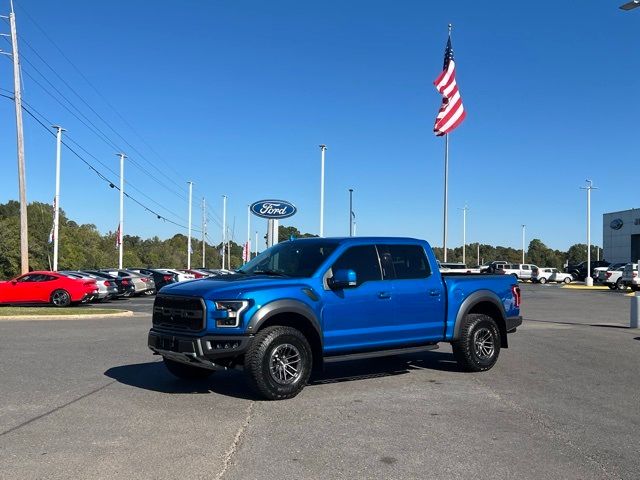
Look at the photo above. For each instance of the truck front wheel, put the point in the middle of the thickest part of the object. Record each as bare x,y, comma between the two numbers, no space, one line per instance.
478,347
279,362
186,372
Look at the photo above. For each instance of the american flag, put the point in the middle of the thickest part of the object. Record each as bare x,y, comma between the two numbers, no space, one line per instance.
451,113
118,237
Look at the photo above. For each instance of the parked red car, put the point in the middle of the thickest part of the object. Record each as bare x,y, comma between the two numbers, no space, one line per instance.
47,287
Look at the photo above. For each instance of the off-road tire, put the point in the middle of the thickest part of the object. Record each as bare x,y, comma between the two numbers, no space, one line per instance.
469,356
60,298
620,286
260,362
186,372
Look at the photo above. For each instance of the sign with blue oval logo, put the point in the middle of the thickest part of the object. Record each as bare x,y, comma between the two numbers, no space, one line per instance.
273,209
616,224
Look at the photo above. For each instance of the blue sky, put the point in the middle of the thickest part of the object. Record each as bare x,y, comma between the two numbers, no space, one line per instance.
236,96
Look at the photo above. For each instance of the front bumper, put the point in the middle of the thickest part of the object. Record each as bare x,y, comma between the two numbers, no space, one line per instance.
512,323
206,352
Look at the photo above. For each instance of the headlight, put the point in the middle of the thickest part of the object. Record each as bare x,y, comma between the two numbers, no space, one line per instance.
228,312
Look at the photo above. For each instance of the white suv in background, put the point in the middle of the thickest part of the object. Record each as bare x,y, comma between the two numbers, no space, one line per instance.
613,279
544,275
522,271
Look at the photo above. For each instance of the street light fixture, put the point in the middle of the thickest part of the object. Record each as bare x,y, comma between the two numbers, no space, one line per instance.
630,5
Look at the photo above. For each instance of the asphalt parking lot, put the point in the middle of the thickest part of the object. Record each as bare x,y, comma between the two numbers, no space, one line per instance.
86,399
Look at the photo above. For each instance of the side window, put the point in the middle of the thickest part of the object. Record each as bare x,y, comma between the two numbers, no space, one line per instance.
26,278
407,261
526,267
363,260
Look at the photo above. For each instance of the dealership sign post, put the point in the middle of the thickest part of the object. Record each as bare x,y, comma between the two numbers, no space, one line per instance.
273,211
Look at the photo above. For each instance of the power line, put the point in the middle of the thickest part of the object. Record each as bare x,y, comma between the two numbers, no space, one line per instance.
100,174
108,168
104,99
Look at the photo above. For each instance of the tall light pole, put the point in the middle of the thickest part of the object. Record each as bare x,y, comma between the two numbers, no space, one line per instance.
121,227
588,280
323,149
351,212
189,234
56,198
464,233
204,231
248,249
224,226
523,232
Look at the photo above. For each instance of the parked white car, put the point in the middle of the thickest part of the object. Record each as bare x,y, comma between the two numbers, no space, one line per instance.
457,268
547,274
613,279
630,276
600,273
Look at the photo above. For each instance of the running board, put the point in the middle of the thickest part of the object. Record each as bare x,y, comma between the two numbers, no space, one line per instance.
380,353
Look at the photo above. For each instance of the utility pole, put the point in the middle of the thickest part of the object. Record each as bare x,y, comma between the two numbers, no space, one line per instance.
248,249
464,234
588,280
255,247
351,212
523,230
121,229
224,226
56,199
22,180
189,235
323,149
204,231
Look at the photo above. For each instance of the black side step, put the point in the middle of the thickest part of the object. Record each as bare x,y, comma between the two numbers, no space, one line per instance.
380,353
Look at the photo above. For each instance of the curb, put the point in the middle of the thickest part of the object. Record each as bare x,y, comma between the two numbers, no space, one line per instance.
584,287
89,316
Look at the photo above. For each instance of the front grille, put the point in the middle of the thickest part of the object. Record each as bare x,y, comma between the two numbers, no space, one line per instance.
181,313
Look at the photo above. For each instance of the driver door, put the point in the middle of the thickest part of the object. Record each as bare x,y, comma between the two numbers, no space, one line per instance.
360,316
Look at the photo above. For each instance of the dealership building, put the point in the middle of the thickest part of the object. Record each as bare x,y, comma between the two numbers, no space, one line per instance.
621,236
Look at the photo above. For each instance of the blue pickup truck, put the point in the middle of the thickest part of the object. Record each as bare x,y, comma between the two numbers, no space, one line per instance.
303,303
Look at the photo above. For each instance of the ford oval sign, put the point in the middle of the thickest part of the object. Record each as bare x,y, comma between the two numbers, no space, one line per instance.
616,224
273,209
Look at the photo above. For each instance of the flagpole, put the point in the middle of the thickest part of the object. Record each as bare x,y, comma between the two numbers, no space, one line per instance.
121,226
446,196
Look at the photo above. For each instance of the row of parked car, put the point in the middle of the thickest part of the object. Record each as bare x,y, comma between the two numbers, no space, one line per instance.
71,287
617,276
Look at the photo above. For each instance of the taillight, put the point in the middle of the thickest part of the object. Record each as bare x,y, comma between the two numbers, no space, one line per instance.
125,281
167,278
515,291
144,279
107,283
608,274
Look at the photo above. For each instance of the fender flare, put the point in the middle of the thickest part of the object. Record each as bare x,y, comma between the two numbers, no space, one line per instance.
283,306
481,296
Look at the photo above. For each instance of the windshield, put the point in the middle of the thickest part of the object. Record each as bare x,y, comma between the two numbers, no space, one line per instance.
292,259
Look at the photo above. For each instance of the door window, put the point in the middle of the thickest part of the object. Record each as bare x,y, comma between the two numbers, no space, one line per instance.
363,260
404,262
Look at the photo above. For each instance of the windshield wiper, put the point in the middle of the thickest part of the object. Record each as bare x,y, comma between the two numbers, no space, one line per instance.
270,272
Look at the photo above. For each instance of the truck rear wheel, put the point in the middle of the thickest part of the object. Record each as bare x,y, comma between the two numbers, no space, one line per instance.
186,372
478,347
279,362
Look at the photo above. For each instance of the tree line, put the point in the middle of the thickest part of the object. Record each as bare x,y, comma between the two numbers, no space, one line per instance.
83,246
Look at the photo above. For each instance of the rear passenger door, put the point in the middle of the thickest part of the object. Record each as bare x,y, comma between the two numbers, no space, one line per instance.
418,294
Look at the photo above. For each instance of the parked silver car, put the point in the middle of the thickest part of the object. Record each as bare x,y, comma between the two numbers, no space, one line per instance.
106,288
143,284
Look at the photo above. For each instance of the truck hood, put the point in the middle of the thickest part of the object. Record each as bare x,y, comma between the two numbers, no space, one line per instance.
229,286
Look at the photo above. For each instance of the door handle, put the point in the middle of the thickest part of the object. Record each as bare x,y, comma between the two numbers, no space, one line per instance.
384,295
434,293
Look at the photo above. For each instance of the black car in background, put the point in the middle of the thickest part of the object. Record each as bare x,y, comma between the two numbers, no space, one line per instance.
579,271
160,278
126,288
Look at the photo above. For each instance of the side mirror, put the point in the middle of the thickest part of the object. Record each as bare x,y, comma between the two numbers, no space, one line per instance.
343,279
